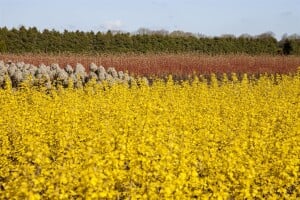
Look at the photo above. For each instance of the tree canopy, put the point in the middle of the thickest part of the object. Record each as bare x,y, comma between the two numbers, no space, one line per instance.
31,40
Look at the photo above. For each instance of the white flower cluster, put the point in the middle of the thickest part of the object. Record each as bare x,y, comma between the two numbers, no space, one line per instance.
54,74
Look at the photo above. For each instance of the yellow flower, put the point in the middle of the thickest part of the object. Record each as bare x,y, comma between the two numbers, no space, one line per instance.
199,140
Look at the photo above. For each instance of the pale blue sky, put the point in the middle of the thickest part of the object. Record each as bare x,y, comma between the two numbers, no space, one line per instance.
208,17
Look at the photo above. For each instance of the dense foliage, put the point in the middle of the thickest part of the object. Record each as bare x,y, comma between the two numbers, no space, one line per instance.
225,140
24,40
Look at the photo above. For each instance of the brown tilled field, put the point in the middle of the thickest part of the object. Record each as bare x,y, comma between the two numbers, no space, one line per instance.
176,64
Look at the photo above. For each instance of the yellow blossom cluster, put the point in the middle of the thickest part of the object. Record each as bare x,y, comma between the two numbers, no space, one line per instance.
200,139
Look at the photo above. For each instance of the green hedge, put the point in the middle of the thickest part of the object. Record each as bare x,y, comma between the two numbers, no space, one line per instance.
25,40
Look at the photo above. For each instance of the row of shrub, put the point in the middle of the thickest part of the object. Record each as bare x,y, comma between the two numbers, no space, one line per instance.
17,73
20,74
24,40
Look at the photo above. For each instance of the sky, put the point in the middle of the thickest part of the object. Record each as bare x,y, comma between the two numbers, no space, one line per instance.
208,17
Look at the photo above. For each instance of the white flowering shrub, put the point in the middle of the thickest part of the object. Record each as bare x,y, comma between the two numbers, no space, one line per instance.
55,75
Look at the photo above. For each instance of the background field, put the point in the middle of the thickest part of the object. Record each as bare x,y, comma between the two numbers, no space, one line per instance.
175,64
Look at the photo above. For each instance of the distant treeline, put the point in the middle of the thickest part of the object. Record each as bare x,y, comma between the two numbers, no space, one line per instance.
31,40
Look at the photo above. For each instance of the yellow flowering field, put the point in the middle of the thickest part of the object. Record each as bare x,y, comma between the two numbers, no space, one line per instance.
188,140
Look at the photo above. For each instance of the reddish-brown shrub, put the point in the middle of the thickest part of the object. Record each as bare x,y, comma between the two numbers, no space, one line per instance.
176,64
